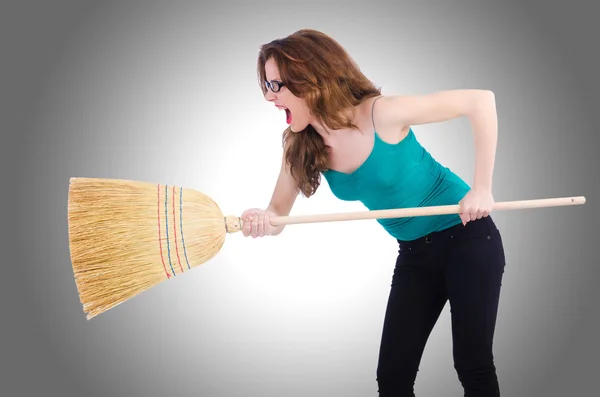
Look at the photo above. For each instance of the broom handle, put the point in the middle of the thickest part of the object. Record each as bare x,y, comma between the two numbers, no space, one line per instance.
423,211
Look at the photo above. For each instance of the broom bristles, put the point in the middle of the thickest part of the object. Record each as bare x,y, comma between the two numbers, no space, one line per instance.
127,236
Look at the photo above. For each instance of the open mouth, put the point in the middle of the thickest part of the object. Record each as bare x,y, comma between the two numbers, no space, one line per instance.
288,113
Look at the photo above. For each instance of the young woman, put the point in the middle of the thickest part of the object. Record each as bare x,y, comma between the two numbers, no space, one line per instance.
342,128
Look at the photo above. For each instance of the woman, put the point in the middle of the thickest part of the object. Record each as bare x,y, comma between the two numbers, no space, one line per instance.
342,128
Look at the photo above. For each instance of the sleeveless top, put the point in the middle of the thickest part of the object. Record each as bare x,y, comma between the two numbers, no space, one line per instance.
401,175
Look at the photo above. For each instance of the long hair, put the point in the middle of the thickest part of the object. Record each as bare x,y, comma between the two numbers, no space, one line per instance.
316,68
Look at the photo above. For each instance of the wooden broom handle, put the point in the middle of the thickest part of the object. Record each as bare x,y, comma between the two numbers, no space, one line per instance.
423,211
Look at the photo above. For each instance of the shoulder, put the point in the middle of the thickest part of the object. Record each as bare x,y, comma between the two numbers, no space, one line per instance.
387,118
389,108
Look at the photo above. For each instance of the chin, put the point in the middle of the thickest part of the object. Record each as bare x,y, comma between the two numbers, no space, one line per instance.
298,128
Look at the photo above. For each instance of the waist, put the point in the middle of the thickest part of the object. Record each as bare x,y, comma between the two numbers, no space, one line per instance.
480,228
409,229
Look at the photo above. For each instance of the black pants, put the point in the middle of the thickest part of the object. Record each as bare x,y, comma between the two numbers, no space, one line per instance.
464,265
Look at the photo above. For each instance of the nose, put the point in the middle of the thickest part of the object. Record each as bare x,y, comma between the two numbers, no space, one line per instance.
270,95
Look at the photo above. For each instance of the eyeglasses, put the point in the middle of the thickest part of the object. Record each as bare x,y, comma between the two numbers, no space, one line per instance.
274,85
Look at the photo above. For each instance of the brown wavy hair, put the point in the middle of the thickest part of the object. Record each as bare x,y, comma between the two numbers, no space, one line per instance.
316,68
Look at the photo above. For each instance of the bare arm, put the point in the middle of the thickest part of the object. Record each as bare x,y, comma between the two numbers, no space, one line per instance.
284,195
257,221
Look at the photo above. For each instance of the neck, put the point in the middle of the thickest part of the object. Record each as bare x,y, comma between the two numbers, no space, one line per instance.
321,129
327,133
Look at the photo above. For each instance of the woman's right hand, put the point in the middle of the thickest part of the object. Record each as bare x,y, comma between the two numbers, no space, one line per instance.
257,224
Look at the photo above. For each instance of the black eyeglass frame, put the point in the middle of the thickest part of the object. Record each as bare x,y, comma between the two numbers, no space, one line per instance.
274,85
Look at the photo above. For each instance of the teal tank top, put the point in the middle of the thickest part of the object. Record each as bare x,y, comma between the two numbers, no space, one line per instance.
401,175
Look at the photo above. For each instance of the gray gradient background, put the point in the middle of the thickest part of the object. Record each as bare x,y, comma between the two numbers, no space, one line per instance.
151,92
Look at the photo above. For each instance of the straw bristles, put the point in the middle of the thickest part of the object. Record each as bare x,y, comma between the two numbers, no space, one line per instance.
127,236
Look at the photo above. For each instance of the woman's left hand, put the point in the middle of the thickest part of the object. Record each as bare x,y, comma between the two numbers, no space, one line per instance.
476,204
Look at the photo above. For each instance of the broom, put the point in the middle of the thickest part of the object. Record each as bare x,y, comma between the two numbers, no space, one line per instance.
127,236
